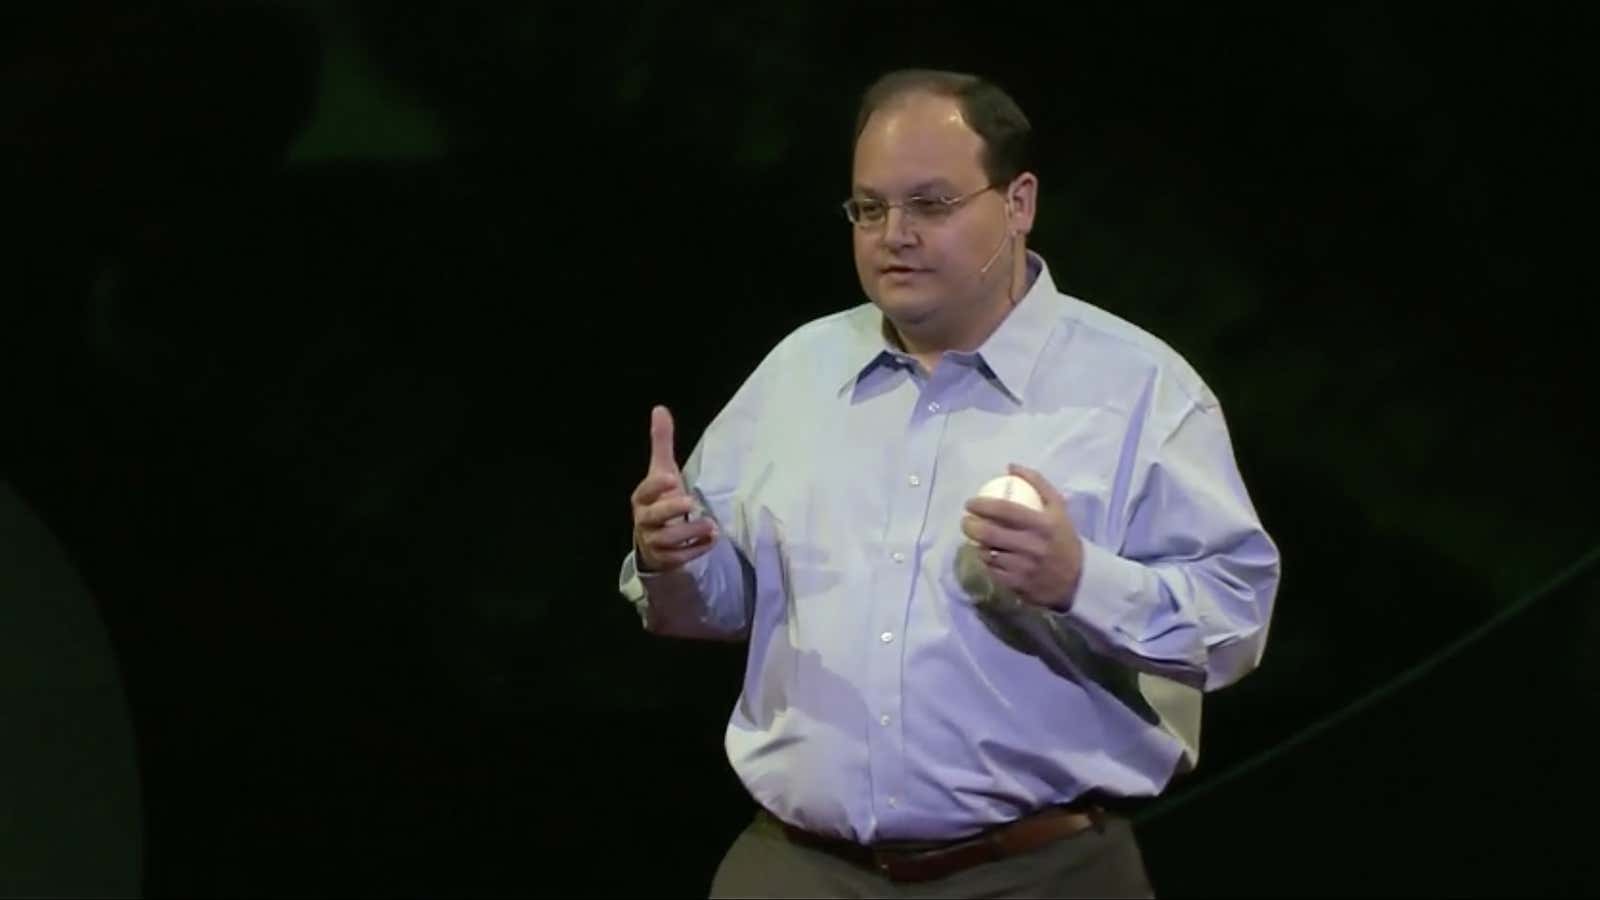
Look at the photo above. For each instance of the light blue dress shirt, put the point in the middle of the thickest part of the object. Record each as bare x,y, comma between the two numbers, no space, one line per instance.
891,690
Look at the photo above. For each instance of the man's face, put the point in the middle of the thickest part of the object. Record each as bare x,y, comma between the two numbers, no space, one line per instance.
926,272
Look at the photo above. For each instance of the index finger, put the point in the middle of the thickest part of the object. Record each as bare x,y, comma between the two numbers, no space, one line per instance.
1006,512
1047,491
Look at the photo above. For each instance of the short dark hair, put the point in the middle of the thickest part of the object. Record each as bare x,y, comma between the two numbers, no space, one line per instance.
988,110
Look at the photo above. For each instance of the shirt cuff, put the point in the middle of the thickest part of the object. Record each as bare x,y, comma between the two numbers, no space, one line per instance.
634,583
1109,590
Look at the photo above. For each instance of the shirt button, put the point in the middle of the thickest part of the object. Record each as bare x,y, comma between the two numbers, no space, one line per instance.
883,719
886,637
913,481
897,556
893,802
933,406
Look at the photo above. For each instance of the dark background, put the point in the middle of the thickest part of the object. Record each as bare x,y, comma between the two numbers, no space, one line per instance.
330,333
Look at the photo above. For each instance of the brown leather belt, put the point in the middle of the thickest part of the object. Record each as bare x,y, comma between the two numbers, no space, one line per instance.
925,861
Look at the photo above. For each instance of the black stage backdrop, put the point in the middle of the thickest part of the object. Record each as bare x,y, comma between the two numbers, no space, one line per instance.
330,333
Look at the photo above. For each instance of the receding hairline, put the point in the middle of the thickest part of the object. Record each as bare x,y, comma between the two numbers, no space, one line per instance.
900,100
982,107
898,89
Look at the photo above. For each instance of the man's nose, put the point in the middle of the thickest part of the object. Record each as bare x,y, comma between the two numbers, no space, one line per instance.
897,230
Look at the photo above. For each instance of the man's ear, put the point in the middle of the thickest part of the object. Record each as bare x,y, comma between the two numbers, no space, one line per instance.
1022,197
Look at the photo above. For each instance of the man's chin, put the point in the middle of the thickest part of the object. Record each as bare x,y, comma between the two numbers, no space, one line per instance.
907,308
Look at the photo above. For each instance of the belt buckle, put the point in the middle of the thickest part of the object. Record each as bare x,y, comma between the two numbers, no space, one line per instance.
883,861
898,865
934,862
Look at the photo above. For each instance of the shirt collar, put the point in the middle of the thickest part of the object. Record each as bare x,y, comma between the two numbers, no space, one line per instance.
1010,353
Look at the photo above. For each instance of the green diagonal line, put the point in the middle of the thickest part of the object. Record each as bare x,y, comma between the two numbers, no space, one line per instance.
1405,678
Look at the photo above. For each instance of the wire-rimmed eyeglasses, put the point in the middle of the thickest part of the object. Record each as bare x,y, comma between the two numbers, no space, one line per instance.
873,212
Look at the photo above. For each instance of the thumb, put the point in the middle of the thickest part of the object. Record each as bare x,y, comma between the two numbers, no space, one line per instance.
661,456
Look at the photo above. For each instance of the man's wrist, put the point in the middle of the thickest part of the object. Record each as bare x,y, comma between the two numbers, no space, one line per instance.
642,563
1064,602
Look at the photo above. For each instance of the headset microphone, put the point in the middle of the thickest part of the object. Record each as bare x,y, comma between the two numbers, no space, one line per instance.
996,254
1010,233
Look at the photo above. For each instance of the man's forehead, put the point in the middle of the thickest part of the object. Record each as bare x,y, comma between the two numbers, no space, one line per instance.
923,186
921,112
920,107
909,124
917,142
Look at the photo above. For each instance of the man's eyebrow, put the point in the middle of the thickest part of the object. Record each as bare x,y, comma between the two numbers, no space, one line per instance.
920,188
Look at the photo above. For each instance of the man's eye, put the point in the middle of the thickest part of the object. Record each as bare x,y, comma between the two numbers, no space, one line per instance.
870,209
927,207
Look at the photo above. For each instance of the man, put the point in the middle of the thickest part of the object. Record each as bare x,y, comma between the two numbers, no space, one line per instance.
944,692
